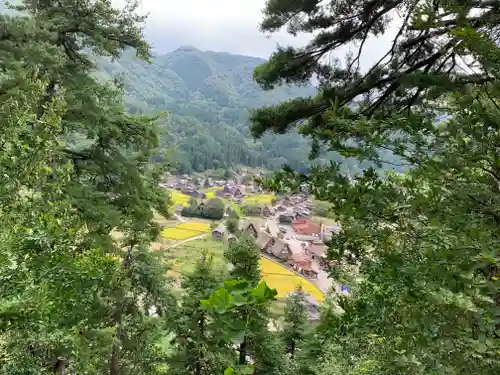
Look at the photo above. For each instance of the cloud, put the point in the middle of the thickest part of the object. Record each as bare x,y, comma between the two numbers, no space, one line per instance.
226,26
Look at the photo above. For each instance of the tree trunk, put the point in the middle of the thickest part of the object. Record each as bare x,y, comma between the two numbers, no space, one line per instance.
114,365
60,366
243,351
201,325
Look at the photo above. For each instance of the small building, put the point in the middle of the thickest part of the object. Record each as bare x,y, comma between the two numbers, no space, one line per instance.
280,208
218,233
317,249
281,250
306,227
239,191
264,242
286,218
267,211
251,229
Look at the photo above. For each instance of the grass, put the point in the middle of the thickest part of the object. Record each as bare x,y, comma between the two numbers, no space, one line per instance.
285,281
183,257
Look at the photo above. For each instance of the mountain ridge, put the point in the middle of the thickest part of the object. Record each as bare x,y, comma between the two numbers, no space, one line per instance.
208,96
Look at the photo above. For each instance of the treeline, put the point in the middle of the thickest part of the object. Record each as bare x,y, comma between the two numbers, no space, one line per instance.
212,209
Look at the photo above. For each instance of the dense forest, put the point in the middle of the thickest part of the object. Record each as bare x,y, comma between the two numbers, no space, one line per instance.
83,292
207,96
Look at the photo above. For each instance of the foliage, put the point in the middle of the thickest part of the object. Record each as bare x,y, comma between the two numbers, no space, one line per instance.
236,309
251,209
213,209
422,65
208,123
72,299
232,225
244,257
295,321
197,349
418,250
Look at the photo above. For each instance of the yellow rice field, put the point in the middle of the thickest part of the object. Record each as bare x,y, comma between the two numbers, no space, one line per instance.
199,227
176,233
259,198
285,281
179,198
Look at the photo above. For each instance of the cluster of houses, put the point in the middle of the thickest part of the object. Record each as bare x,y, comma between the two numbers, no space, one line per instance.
289,235
229,189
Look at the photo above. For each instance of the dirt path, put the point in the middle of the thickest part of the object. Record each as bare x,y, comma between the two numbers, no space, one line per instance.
190,239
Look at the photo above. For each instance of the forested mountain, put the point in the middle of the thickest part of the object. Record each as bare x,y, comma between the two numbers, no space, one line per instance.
208,96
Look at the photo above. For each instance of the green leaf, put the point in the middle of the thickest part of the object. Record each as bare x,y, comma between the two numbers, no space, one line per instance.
239,299
237,286
263,293
220,300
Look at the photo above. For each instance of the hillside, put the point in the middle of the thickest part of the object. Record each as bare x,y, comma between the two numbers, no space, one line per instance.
208,95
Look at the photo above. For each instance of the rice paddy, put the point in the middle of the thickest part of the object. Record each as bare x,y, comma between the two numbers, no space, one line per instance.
183,231
179,198
285,281
259,198
199,227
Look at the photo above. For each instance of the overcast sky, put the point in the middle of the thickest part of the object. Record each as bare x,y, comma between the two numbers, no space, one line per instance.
223,26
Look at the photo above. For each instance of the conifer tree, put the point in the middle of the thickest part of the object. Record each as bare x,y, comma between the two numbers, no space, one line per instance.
295,321
418,248
417,67
258,343
77,299
198,349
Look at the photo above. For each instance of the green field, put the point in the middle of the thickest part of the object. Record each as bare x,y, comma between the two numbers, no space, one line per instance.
183,257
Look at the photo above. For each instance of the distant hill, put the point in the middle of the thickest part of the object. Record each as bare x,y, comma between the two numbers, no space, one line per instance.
208,95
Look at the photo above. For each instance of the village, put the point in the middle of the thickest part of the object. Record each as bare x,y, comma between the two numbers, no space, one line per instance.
281,226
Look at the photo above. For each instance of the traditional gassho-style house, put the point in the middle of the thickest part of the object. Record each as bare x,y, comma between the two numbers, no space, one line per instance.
267,211
300,260
317,249
280,208
239,191
265,241
249,227
281,250
218,233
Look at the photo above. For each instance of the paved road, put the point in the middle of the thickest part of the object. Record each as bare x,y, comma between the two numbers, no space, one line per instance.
322,282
